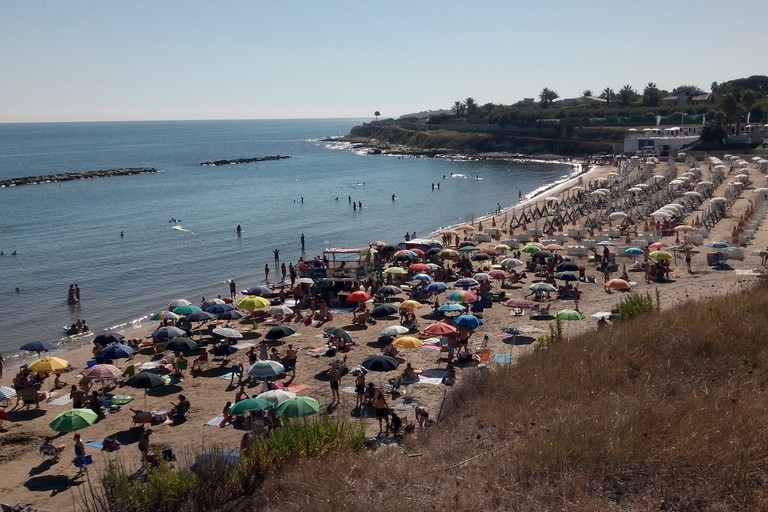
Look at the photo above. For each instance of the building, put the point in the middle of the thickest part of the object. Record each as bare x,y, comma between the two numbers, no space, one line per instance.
688,96
659,141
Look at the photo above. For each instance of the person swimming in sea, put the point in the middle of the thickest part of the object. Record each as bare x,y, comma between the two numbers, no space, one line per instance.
394,197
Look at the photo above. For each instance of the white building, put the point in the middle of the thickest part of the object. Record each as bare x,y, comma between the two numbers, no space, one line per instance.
660,141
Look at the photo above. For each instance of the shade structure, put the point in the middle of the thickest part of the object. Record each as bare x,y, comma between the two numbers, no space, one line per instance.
394,330
217,309
633,251
102,372
73,419
566,276
200,316
261,291
410,304
407,342
468,321
228,332
337,332
660,255
389,290
177,302
511,263
39,346
165,315
167,333
276,396
115,351
461,296
617,284
250,404
108,338
440,329
253,302
519,303
279,332
265,369
186,310
380,363
232,314
451,308
566,266
569,314
48,365
358,296
542,287
396,271
465,282
298,407
384,310
436,287
145,380
180,344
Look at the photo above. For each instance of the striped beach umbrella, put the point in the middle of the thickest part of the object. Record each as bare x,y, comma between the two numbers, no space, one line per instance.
265,369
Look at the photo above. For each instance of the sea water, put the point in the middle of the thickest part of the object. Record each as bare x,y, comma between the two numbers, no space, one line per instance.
70,232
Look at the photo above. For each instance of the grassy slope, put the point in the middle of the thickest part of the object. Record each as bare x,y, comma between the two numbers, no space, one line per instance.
658,413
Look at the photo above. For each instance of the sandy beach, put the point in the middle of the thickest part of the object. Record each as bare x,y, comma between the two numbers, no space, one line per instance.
32,478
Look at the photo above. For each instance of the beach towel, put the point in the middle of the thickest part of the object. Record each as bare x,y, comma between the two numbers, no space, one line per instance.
216,422
243,345
226,376
95,444
60,401
349,389
434,372
503,358
295,388
121,399
317,352
341,310
430,380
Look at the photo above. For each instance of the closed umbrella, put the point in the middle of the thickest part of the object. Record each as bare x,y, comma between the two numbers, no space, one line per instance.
298,407
73,419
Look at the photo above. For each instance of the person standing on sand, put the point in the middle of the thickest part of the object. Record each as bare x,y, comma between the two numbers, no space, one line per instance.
266,273
144,446
334,378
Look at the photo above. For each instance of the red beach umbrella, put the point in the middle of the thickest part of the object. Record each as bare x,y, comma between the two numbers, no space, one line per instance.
358,296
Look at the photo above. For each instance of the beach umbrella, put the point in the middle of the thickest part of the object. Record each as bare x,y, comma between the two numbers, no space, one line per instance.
425,278
489,252
446,254
167,333
618,216
338,332
691,193
569,314
451,308
468,321
298,407
280,310
541,255
683,228
407,342
250,404
433,266
73,419
419,267
108,338
450,232
405,254
498,274
377,243
502,247
253,302
217,309
232,314
261,291
7,393
145,380
410,304
380,363
279,332
394,330
228,332
617,284
566,276
265,369
38,346
211,302
658,245
389,290
660,255
554,247
102,372
276,396
200,316
633,251
418,252
164,315
177,302
396,271
542,287
440,329
115,351
48,365
436,287
480,257
468,248
481,277
465,282
601,314
605,243
511,263
358,296
519,303
718,245
185,310
567,266
180,344
531,249
461,296
384,310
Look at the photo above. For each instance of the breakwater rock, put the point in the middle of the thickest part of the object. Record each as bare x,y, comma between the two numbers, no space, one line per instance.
235,161
69,176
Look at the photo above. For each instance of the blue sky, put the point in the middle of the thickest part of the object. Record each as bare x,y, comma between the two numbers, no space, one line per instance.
191,59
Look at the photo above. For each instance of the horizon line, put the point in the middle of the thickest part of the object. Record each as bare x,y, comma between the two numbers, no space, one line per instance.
182,120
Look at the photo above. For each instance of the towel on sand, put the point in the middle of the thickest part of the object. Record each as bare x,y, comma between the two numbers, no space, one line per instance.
62,400
95,444
503,358
216,422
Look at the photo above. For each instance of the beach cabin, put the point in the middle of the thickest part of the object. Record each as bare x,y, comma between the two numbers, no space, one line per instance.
352,263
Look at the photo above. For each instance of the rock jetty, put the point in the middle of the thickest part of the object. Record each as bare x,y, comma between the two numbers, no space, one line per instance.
235,161
69,176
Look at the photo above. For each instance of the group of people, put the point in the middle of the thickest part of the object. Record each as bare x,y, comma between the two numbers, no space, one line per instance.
78,327
73,295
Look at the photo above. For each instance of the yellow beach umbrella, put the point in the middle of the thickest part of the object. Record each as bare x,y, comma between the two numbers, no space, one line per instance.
49,365
396,271
407,342
253,302
410,304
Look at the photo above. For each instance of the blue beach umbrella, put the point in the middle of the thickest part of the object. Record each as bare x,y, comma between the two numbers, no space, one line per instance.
468,321
115,351
38,346
422,277
451,308
633,251
436,287
108,338
200,316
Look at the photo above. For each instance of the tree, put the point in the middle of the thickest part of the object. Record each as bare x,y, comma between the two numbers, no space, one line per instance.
627,95
728,105
651,95
713,87
458,108
472,107
547,96
377,114
748,100
607,94
587,93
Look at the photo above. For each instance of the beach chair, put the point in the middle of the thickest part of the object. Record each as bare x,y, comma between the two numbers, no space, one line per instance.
52,452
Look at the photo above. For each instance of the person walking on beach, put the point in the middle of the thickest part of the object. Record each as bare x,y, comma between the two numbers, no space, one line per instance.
266,273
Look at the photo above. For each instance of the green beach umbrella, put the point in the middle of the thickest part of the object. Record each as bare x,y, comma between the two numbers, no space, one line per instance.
180,344
397,271
73,419
278,332
569,314
250,404
298,407
186,310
